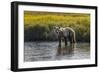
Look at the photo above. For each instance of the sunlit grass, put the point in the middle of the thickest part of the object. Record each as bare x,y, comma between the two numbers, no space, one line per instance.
80,22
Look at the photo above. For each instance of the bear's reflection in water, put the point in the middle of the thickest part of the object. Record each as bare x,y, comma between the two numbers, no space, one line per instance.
66,50
49,51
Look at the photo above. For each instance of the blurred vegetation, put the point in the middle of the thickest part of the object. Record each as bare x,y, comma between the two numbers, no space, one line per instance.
38,25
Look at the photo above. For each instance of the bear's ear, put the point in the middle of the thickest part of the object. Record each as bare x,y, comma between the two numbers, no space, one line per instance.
55,27
59,27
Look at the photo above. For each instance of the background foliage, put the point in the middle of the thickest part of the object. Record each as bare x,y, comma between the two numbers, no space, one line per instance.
38,25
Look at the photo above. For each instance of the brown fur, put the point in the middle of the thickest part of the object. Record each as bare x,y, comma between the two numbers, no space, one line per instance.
68,34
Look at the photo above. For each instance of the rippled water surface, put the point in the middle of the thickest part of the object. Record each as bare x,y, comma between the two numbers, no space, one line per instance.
47,51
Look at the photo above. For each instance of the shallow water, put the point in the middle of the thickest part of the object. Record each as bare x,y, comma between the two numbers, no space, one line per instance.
47,51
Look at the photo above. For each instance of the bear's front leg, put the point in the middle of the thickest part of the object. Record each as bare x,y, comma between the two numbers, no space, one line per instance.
59,41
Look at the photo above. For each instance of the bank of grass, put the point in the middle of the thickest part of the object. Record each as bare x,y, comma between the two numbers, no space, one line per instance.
38,25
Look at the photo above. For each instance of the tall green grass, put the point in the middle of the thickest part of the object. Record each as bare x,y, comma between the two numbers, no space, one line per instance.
38,25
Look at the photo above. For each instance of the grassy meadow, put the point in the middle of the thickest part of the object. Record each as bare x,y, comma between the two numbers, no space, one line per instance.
38,25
